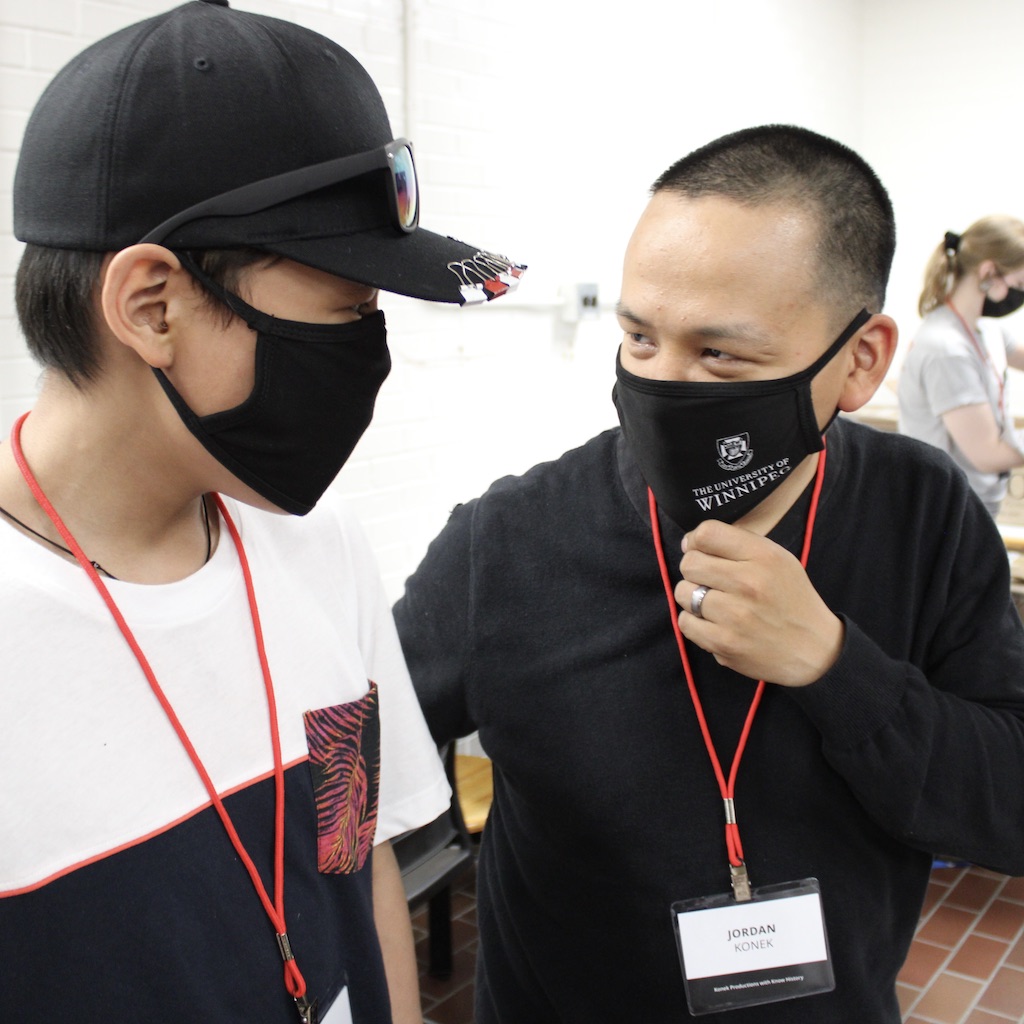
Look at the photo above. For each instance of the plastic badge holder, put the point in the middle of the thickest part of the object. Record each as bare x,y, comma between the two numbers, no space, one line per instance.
765,950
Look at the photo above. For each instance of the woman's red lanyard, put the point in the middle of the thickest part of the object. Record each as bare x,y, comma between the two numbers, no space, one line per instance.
737,865
293,979
983,353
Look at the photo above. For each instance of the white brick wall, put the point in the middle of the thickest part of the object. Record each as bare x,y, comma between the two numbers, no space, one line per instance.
460,407
539,126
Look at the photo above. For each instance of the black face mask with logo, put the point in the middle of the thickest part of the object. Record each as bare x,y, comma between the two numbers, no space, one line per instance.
716,450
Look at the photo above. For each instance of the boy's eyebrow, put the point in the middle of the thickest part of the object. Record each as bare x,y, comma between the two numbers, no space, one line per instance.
744,333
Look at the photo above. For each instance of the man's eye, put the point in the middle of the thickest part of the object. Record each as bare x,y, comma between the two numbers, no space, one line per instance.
638,339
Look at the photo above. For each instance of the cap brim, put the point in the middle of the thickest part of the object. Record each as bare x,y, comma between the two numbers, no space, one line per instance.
420,264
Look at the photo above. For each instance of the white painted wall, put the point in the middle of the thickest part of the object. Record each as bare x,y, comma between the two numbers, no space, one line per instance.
539,126
941,84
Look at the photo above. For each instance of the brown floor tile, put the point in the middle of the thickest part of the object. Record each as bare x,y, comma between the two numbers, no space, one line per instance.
906,996
1005,993
463,967
946,876
987,873
922,962
978,957
946,926
462,903
1013,890
984,1017
1002,920
973,891
947,999
932,896
450,1000
456,1009
1016,957
463,933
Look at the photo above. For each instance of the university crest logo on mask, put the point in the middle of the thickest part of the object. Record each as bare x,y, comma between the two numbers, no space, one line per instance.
734,451
697,466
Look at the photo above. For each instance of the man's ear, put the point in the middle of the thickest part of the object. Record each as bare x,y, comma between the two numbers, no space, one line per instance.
873,350
142,300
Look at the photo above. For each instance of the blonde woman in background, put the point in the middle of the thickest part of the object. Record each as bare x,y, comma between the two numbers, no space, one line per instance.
952,388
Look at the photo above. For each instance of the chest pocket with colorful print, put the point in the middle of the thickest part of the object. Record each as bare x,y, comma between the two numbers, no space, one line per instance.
344,759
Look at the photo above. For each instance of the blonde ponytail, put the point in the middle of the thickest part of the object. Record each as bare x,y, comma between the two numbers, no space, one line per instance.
997,238
940,274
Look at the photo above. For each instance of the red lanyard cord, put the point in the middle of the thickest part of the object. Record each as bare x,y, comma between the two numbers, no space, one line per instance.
294,981
727,789
983,352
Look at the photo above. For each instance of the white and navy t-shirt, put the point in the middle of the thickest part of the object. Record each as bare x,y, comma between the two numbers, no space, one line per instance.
120,892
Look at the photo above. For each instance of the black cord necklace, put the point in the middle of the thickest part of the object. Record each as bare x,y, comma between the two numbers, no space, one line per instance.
96,565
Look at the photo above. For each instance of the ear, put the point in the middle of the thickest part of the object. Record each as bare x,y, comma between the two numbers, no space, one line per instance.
987,270
141,299
872,352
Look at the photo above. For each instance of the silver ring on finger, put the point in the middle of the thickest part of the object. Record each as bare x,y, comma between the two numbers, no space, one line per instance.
697,600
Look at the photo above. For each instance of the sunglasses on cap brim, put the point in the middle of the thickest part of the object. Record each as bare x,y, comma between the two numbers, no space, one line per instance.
395,157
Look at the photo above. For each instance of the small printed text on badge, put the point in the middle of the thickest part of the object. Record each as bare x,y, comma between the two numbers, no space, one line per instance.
751,932
753,936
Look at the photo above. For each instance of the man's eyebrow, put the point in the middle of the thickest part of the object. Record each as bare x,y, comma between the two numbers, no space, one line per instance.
744,333
739,332
626,313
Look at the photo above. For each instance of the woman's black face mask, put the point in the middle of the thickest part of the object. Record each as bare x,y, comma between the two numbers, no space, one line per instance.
716,450
1013,300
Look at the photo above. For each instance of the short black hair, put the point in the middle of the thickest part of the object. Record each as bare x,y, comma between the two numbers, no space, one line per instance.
56,292
786,164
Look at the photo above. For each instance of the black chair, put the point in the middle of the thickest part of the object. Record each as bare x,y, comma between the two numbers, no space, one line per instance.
431,859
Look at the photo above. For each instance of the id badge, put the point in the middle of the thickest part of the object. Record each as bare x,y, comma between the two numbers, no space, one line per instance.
763,950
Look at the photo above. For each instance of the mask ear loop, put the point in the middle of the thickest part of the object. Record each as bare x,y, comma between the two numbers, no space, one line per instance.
237,305
815,368
833,350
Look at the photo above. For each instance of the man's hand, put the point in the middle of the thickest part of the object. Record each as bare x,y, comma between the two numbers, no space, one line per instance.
761,616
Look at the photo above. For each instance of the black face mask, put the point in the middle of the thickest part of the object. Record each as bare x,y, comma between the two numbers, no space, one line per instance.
313,398
716,450
1004,307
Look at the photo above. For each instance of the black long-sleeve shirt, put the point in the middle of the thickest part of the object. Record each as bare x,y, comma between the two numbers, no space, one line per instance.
538,617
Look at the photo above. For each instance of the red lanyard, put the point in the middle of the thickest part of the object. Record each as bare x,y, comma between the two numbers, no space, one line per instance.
293,979
983,352
726,788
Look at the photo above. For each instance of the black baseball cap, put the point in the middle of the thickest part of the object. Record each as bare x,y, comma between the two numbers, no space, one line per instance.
204,104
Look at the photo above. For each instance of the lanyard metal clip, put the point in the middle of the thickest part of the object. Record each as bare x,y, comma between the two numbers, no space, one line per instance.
740,883
309,1012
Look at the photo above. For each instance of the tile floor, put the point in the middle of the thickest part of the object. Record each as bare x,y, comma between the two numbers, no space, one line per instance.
966,965
450,1001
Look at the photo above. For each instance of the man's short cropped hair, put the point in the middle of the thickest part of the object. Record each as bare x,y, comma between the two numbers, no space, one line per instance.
789,165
